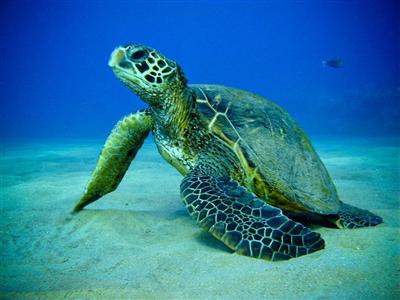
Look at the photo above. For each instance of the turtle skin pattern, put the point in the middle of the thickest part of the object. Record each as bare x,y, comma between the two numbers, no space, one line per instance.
243,222
353,217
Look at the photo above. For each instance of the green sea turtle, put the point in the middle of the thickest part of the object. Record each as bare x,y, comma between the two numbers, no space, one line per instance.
248,168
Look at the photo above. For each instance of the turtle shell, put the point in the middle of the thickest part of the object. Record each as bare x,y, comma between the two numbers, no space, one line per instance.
278,159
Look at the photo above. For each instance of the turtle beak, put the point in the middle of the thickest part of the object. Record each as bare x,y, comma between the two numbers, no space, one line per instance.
116,57
123,69
120,65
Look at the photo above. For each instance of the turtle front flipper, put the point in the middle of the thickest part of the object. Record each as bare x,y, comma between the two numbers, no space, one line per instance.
353,217
118,152
242,221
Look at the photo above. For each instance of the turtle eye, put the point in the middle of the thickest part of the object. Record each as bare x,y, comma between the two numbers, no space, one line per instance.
140,54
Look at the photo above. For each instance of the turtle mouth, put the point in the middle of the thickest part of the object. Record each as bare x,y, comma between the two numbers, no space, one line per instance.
122,68
116,57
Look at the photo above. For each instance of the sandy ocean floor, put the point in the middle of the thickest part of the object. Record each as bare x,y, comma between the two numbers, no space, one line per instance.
139,242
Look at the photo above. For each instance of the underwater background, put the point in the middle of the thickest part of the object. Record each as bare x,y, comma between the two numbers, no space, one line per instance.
59,101
55,81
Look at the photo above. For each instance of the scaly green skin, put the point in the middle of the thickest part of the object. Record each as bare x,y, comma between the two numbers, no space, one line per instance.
118,152
240,156
241,220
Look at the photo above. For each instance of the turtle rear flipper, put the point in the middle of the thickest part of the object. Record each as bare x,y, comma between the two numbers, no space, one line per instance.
353,217
242,221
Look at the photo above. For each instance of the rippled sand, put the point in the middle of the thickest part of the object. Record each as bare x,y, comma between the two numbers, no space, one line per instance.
139,242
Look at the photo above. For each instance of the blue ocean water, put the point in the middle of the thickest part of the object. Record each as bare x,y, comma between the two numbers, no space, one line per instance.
55,82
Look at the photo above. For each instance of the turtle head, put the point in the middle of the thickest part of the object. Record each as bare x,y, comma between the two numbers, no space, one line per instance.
148,73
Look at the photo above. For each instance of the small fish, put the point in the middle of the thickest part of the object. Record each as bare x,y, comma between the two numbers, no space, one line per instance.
333,63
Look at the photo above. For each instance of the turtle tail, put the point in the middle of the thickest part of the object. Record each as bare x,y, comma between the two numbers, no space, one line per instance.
353,217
